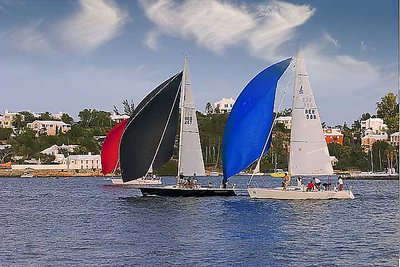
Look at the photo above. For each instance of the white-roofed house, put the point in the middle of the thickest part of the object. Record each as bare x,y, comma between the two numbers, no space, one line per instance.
118,118
224,106
84,162
285,120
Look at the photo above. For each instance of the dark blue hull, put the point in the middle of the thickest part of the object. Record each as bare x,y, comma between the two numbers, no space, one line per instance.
186,192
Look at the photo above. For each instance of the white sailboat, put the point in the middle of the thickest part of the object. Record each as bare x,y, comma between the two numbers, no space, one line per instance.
309,155
190,158
150,179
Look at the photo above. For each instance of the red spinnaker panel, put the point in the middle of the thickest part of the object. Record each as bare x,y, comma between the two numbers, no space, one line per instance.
110,148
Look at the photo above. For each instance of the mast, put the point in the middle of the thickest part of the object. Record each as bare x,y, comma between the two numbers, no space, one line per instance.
183,84
293,104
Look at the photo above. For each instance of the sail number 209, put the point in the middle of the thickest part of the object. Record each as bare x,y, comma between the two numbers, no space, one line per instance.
188,120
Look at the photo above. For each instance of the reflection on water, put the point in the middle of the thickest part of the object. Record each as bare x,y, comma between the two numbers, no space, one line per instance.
80,222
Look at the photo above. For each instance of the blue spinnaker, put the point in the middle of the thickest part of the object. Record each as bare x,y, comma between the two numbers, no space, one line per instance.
250,121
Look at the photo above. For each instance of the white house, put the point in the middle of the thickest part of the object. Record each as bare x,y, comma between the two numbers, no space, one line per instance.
395,139
118,118
225,105
374,130
373,126
49,127
84,162
7,119
285,120
55,151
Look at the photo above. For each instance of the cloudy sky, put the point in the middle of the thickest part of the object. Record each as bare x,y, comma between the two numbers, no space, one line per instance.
68,55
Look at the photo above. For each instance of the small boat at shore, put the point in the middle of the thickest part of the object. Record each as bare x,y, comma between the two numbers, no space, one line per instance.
27,175
277,173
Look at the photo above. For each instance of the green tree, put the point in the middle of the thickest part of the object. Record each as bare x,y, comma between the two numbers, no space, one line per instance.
46,116
5,133
18,122
27,117
67,118
46,159
5,155
217,109
209,108
129,107
388,110
94,118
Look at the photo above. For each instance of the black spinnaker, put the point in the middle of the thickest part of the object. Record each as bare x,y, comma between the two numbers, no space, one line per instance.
151,131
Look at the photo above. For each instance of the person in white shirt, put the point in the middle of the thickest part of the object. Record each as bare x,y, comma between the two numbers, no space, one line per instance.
340,183
299,181
317,183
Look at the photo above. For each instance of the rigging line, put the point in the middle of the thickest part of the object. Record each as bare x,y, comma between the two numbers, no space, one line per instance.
115,168
273,123
165,129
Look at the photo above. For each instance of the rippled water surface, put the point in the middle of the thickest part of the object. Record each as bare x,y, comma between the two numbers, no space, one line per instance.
80,222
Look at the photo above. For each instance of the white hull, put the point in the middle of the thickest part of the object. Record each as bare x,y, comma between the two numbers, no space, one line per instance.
140,181
297,193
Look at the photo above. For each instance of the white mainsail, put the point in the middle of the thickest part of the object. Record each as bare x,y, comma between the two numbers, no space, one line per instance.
309,153
190,155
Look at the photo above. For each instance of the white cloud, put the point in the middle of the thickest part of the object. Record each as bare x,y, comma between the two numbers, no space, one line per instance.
151,40
363,46
327,37
28,38
97,22
217,25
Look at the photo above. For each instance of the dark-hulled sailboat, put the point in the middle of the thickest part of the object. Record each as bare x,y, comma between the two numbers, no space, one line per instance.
149,137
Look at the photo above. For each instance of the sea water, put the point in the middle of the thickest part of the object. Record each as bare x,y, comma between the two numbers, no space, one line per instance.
80,222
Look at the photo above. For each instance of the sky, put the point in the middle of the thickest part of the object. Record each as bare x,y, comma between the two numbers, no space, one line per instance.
68,55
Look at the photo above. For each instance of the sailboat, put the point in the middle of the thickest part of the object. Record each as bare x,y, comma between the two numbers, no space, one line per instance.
149,137
309,156
110,158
